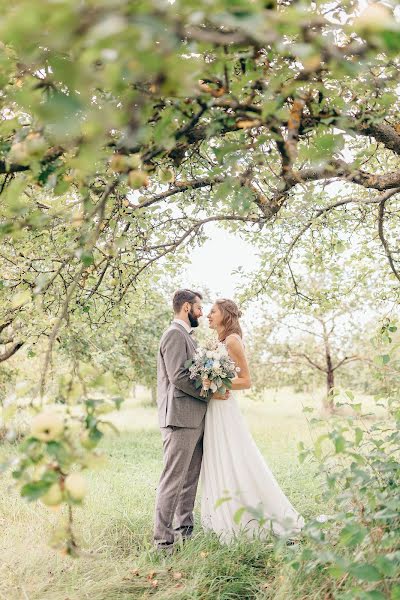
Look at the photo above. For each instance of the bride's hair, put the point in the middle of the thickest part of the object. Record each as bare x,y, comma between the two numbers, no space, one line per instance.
230,315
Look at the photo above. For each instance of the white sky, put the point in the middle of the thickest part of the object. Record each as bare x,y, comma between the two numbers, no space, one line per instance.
213,263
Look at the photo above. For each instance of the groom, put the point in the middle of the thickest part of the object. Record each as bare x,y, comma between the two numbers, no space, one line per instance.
181,414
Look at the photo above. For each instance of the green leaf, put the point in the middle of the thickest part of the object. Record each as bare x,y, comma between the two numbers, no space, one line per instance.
58,450
365,572
395,593
391,39
358,436
373,595
386,566
35,489
239,514
318,445
222,500
340,444
227,383
352,534
118,400
86,258
382,359
221,152
336,571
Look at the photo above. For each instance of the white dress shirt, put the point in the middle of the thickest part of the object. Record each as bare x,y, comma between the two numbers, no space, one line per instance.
184,324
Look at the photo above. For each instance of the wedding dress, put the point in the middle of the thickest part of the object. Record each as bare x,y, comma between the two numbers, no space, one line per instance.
239,492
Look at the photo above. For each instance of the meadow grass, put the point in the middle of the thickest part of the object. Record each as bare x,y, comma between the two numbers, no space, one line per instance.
114,527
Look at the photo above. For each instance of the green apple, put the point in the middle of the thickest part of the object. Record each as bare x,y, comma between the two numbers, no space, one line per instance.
47,426
137,179
166,175
76,486
36,144
53,496
86,441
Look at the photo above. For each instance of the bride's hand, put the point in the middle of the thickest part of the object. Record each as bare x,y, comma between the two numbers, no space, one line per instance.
217,396
206,384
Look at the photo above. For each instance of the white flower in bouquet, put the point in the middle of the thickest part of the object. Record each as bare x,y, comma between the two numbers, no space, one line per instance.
211,368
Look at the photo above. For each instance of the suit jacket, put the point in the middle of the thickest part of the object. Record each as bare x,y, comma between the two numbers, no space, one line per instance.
179,403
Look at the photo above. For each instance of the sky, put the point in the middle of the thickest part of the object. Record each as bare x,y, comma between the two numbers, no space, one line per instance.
213,263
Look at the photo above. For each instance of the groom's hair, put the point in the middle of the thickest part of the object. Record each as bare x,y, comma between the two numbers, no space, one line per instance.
182,296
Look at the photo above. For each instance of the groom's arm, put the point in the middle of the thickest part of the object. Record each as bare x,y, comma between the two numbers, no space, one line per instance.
173,349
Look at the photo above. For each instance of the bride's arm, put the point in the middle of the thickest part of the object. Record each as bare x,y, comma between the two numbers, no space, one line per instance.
236,352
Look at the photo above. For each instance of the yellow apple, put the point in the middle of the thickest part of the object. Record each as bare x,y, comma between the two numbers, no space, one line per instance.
137,179
19,153
166,175
53,496
47,426
134,161
119,163
86,441
76,486
36,144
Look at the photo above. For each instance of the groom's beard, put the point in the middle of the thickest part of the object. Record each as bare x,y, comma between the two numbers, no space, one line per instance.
193,320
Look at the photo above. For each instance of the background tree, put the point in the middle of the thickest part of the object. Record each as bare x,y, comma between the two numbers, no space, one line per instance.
319,315
321,346
141,339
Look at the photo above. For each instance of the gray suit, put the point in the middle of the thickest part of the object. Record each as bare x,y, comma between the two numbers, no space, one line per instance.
181,412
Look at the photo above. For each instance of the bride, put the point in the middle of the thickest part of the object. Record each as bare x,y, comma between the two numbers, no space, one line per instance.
239,492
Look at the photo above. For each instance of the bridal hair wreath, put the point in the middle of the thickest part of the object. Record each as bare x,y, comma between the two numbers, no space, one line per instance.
231,314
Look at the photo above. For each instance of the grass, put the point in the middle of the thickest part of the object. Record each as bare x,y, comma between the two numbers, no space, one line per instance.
115,525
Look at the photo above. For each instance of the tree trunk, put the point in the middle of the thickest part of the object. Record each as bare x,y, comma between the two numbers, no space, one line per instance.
330,385
330,379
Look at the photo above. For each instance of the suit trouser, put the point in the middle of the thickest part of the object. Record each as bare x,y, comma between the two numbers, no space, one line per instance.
176,492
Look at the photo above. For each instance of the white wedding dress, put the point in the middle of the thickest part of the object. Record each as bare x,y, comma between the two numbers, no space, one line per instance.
239,492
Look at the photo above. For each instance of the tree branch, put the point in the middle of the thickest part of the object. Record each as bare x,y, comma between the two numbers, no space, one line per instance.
309,360
381,214
345,360
320,213
50,155
11,351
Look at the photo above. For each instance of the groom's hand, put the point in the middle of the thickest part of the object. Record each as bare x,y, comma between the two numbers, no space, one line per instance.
217,396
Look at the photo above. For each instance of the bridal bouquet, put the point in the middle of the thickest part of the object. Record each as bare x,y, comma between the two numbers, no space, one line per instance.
212,368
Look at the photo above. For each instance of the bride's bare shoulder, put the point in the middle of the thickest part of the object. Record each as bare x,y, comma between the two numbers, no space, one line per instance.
234,340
